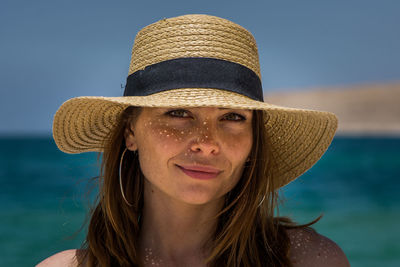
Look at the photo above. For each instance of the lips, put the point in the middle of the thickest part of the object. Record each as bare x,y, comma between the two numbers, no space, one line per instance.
200,172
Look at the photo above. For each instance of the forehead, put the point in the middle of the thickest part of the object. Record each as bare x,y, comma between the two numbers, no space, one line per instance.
150,110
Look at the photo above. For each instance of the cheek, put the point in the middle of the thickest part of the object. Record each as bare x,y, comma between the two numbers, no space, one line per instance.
238,145
160,142
165,135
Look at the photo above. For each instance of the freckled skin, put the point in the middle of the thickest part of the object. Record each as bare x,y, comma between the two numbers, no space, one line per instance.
205,136
308,248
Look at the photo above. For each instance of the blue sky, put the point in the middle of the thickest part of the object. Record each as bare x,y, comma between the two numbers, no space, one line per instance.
53,50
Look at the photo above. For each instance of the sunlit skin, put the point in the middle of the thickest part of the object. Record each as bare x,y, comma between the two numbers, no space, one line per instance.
178,208
177,217
164,138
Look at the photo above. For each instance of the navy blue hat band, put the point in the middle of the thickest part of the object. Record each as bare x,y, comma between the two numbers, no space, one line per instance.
194,73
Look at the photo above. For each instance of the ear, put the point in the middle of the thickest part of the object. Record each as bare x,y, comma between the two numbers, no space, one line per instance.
130,140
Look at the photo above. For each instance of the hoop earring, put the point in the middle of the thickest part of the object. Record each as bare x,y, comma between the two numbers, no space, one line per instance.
120,177
262,200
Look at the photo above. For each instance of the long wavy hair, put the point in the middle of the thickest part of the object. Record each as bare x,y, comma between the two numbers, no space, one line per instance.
247,233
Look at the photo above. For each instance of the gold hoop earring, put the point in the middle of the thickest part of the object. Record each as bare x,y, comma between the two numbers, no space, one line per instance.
262,200
120,177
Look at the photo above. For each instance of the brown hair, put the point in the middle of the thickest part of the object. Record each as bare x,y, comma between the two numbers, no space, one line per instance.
247,233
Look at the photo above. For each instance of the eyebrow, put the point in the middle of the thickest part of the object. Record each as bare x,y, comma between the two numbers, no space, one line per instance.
235,109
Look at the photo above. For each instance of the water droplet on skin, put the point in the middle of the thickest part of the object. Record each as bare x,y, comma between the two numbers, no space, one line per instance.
182,132
205,123
168,135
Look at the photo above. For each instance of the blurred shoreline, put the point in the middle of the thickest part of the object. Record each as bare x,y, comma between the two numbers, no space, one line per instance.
362,110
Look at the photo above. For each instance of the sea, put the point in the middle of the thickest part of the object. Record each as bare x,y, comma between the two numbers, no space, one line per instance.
45,195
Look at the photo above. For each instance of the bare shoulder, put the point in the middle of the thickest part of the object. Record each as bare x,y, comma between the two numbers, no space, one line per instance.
63,258
308,248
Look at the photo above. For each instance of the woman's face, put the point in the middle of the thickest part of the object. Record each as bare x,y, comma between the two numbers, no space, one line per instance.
194,155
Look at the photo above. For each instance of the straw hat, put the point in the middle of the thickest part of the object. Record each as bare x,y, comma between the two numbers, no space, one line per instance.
194,61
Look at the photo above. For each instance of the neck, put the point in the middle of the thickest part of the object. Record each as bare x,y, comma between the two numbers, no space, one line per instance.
173,231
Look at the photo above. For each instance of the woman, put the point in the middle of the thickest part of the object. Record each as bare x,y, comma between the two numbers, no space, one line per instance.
193,157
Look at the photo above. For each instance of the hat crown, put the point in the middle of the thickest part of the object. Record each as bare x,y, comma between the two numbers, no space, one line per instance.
194,36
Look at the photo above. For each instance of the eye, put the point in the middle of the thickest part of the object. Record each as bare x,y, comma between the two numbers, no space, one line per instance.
234,117
180,113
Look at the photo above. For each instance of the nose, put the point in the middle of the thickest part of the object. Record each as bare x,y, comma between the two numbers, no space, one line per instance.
205,142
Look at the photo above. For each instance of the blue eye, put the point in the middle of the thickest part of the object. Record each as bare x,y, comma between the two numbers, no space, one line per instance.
180,113
234,117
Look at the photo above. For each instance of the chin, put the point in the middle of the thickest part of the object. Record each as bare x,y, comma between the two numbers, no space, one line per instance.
198,198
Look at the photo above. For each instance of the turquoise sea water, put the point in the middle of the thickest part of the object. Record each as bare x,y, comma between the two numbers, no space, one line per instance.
355,185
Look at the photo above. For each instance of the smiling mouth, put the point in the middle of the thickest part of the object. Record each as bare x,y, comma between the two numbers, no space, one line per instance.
202,173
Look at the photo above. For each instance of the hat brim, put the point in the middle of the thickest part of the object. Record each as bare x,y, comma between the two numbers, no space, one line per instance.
298,137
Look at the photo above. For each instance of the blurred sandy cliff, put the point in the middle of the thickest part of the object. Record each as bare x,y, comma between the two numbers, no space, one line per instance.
372,110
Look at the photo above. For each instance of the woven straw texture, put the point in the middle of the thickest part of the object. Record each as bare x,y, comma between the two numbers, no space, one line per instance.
194,36
298,137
